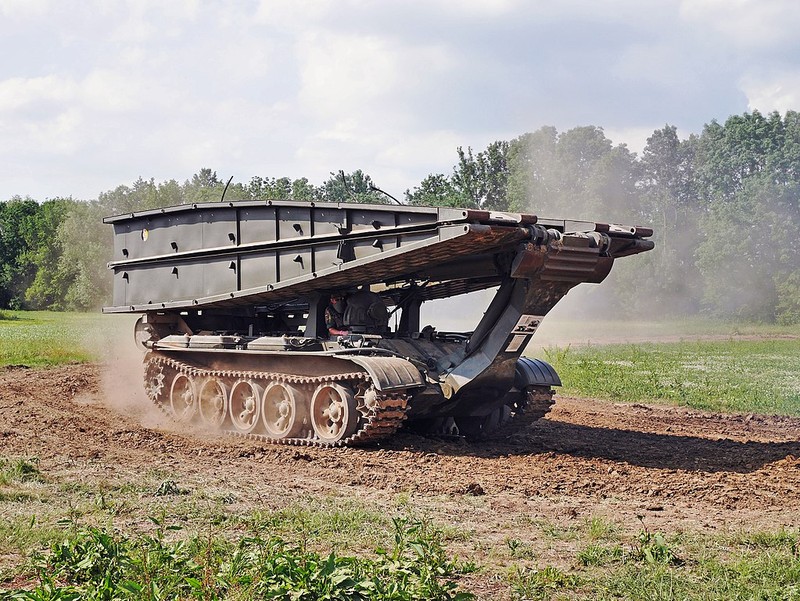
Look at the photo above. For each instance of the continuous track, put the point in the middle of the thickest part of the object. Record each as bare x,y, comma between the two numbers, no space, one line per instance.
380,415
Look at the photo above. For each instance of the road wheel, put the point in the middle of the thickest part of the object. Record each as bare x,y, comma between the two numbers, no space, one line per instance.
212,402
282,411
182,398
334,415
245,406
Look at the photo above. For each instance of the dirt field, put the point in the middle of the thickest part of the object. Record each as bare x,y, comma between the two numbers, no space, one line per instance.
667,468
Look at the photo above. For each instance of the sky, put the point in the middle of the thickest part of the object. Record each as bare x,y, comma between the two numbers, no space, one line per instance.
95,94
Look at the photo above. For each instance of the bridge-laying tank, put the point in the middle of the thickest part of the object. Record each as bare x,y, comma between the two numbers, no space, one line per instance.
236,306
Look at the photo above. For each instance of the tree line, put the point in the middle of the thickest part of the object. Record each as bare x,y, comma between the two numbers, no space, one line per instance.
725,205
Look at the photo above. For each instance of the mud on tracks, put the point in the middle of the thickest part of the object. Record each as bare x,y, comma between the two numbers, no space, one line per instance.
586,457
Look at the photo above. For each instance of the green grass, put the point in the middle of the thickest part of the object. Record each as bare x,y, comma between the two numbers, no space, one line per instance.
19,470
716,570
43,338
336,522
752,376
43,515
557,331
653,565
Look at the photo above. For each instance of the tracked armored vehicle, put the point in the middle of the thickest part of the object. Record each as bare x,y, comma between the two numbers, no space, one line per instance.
233,299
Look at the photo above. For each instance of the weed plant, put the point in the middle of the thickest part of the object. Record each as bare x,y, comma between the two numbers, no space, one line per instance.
96,563
533,585
19,470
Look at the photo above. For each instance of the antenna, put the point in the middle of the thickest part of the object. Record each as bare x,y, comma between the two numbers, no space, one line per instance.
344,183
230,179
377,189
372,188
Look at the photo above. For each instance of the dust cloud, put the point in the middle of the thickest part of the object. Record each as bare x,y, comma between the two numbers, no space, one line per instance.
622,309
121,385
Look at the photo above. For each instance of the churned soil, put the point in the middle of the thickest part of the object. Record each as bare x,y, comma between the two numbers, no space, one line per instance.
666,467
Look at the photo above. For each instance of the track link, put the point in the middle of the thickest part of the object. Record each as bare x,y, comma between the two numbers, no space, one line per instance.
380,418
538,402
509,420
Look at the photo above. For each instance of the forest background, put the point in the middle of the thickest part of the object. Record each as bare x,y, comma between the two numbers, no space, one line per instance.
724,204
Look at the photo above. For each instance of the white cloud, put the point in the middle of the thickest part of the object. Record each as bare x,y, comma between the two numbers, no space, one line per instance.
59,134
110,91
345,74
63,132
292,13
23,9
753,24
635,138
354,85
423,150
101,92
19,92
479,8
772,92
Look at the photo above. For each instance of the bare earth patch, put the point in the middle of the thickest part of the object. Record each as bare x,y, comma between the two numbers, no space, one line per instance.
665,467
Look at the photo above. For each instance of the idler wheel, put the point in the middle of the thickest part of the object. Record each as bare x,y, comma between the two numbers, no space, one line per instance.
245,402
334,416
182,398
282,411
212,402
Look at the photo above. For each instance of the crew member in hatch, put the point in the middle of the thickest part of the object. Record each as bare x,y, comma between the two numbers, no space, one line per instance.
334,315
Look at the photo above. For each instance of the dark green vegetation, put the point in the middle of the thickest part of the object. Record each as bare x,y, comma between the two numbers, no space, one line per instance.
750,376
724,205
96,563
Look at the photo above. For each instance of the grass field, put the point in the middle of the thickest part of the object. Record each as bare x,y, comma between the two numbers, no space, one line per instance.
42,338
751,376
154,540
151,537
559,331
207,552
